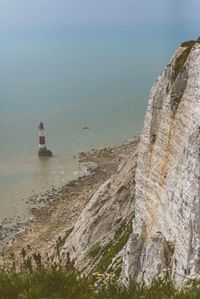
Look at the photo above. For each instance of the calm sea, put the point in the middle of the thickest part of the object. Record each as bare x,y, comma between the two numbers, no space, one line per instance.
94,78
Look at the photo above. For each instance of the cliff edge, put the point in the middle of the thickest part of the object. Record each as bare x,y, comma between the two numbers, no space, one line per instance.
145,220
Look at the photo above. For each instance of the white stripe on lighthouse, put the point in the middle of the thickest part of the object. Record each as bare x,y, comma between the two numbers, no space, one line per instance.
42,144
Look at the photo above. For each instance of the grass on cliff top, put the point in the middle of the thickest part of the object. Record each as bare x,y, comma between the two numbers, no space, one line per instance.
41,281
190,43
180,61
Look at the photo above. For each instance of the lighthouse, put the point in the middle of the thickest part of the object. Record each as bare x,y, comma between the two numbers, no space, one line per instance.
43,151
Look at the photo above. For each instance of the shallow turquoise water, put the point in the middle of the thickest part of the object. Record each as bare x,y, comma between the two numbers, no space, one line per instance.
98,79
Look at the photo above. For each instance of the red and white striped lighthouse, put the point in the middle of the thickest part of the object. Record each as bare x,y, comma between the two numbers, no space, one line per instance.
42,145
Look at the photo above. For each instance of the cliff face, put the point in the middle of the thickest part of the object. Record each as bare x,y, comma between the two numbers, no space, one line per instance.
167,208
157,189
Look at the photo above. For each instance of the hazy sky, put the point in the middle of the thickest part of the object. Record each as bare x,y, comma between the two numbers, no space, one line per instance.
30,13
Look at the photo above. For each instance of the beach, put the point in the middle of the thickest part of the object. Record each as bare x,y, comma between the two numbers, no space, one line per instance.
52,215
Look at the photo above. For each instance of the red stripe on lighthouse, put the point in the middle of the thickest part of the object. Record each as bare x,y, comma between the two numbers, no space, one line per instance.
42,140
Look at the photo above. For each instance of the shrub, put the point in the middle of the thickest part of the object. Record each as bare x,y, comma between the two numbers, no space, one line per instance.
57,282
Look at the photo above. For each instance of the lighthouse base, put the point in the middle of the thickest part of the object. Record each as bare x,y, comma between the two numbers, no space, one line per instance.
44,153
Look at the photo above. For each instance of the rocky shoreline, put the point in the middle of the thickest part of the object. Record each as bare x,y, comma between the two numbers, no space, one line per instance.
54,213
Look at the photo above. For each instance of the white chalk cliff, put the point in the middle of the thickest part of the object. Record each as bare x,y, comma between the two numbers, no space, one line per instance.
146,219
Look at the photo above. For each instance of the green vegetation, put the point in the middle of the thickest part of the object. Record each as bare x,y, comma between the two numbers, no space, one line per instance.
43,283
190,43
171,246
54,282
180,87
42,280
114,247
121,189
169,254
179,67
180,61
94,251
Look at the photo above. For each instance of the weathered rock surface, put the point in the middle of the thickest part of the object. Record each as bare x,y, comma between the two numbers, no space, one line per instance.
158,191
168,176
104,226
